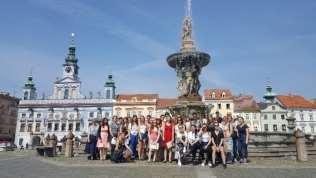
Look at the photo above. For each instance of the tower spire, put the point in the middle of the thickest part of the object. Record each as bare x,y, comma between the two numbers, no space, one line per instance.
71,57
187,39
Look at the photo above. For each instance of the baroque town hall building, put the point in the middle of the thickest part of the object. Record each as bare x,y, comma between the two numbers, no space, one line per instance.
67,109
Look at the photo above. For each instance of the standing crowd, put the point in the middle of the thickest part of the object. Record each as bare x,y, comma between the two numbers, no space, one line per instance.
197,140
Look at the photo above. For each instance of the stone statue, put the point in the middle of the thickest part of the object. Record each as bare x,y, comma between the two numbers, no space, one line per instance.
187,30
69,150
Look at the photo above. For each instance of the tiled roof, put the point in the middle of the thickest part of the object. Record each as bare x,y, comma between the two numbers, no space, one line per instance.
138,97
245,103
217,94
166,102
295,101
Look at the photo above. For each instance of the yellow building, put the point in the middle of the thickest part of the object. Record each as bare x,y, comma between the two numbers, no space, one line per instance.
135,104
219,100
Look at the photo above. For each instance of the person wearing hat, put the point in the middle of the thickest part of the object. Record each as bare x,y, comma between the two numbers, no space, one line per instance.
92,139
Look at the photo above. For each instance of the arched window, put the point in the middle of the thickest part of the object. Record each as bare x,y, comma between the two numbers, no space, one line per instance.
26,95
213,95
66,93
223,95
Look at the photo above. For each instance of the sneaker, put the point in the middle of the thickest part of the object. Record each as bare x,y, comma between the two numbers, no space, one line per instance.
179,163
224,166
209,164
203,164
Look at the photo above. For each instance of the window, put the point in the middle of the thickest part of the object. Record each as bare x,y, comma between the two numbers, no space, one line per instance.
303,129
311,117
107,114
247,116
150,113
223,95
56,127
22,127
274,116
77,126
256,128
37,127
219,106
23,115
38,115
26,94
227,106
312,129
66,93
108,94
266,127
63,127
213,95
140,113
282,117
273,108
283,127
91,114
57,116
302,116
275,128
70,126
265,116
128,114
49,127
29,127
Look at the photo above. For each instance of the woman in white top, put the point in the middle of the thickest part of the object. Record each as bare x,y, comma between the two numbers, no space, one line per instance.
206,139
133,130
181,143
142,137
193,142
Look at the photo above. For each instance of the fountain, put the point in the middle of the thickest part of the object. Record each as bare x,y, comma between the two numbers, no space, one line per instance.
188,64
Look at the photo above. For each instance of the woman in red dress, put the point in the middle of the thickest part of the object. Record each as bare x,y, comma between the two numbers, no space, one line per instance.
168,138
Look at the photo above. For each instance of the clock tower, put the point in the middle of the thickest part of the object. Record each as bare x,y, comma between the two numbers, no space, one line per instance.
70,68
68,87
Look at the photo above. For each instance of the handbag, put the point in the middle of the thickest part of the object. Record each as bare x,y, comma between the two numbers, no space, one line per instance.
169,145
154,146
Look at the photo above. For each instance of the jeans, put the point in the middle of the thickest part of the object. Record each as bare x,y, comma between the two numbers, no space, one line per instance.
242,147
235,148
93,146
205,152
133,144
193,150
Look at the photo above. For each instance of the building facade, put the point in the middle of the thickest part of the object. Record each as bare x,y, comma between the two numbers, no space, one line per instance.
219,100
303,110
127,105
164,104
273,114
246,107
67,108
8,116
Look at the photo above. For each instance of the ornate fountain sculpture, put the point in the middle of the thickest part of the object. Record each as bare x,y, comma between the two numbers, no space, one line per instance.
188,64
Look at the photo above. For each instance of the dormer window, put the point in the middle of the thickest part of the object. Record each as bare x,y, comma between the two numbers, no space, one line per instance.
213,95
223,95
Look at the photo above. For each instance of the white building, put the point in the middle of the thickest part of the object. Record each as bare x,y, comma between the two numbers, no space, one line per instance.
67,109
303,110
273,114
246,107
219,100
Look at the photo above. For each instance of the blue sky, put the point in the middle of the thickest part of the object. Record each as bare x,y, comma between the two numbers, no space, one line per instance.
250,41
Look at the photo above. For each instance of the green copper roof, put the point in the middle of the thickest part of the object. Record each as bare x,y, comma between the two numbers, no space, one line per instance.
110,82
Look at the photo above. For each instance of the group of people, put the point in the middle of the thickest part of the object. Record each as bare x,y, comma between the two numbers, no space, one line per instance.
197,140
